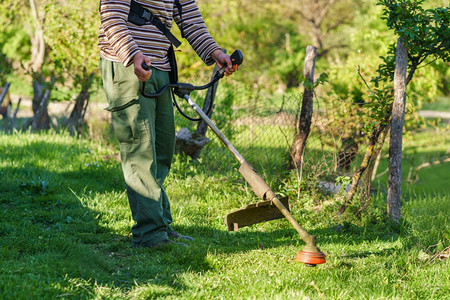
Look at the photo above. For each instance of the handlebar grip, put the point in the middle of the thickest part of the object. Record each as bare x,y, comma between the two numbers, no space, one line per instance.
236,60
145,66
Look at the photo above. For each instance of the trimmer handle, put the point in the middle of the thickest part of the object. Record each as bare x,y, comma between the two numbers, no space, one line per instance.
145,66
236,60
180,89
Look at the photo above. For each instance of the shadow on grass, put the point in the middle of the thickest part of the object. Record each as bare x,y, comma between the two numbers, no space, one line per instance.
48,235
61,236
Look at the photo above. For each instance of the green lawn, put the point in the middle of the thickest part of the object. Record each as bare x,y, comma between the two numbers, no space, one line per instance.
423,166
443,104
65,233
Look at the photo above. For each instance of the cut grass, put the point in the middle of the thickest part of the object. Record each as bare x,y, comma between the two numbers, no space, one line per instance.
65,222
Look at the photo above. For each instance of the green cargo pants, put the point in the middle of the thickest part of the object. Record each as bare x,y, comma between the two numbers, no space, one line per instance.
146,132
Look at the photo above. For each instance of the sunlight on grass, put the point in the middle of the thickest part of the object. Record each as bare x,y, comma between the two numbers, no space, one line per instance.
65,223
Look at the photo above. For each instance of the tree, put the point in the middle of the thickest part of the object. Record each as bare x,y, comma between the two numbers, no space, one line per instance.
424,37
322,18
62,52
29,16
72,31
423,34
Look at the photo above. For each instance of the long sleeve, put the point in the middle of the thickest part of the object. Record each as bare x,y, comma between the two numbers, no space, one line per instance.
120,40
113,17
195,30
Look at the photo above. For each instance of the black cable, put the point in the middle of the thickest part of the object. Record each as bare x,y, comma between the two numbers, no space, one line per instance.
183,89
208,111
181,111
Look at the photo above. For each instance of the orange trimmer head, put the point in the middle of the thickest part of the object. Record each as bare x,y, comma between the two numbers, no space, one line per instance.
310,259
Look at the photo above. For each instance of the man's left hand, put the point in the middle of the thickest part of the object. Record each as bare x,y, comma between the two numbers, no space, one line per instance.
223,60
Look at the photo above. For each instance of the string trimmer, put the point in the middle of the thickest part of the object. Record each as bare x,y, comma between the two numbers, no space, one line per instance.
271,207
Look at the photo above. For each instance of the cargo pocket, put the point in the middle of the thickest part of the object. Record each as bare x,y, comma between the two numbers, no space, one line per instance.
122,126
131,124
125,87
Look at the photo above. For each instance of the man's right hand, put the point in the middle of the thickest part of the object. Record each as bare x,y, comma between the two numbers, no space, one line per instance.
141,74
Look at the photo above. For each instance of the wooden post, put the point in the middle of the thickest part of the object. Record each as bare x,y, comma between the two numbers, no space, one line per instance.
202,127
304,126
395,144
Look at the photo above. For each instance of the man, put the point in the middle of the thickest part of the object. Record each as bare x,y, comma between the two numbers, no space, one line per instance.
145,126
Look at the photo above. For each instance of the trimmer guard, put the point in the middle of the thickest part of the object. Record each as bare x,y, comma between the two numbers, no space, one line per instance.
254,213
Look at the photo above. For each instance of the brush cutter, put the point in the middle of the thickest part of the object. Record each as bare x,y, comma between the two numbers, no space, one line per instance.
271,207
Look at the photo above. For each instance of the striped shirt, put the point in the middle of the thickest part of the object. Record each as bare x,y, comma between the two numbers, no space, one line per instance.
120,40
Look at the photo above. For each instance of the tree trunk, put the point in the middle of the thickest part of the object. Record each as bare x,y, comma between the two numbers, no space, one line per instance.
76,120
41,91
304,127
41,95
395,144
365,163
37,39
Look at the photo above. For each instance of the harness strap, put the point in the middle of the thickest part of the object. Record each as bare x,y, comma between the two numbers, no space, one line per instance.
140,16
180,11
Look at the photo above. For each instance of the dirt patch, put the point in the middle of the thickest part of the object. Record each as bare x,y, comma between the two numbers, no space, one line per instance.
444,115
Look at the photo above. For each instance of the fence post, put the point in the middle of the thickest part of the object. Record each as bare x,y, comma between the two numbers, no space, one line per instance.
304,126
395,144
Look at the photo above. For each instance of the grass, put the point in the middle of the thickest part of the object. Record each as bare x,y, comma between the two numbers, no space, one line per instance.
65,233
443,104
420,148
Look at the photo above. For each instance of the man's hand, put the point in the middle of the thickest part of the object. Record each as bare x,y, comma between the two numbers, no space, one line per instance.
141,74
223,60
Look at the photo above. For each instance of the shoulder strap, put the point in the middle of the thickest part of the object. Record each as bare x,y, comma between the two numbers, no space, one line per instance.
180,11
140,16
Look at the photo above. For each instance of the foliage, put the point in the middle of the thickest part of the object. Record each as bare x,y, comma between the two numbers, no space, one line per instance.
71,33
271,36
322,23
13,35
5,68
15,46
289,61
258,29
347,79
425,32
